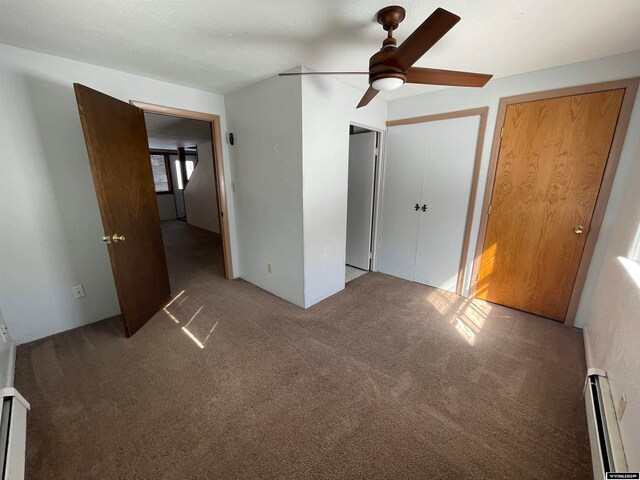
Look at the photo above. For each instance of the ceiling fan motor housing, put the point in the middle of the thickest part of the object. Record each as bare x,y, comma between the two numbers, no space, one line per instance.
382,64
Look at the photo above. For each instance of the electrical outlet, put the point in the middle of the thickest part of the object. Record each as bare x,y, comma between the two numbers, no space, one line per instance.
622,405
78,291
269,267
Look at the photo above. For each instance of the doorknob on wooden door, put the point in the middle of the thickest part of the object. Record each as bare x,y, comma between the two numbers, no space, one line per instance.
578,230
115,238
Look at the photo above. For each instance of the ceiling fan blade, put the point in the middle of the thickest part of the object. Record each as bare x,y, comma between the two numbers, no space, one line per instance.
368,96
291,74
424,37
433,76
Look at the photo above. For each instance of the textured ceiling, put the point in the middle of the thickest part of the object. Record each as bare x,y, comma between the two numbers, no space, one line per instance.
171,132
221,46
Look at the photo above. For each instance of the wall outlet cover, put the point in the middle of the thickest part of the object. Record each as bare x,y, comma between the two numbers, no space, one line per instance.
78,291
622,405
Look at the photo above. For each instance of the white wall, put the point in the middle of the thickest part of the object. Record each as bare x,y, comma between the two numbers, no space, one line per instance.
200,194
611,315
166,206
611,299
290,165
610,68
328,107
51,227
266,121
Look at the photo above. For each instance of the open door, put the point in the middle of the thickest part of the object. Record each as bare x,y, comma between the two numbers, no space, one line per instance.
362,165
116,139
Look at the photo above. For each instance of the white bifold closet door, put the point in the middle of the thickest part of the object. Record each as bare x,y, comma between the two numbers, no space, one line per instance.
406,149
437,160
362,166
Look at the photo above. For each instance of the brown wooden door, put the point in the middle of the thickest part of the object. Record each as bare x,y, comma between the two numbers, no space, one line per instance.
116,139
550,166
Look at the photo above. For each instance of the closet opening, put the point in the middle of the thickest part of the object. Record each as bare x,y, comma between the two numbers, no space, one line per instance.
364,148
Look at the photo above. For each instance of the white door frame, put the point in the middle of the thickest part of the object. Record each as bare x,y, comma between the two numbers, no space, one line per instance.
377,192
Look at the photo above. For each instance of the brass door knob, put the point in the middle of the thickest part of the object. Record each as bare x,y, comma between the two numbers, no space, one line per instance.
115,238
578,230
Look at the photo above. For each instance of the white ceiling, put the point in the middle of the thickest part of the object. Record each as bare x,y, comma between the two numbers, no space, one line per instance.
223,45
170,132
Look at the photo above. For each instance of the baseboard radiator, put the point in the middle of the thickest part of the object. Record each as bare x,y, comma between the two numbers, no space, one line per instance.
607,453
13,433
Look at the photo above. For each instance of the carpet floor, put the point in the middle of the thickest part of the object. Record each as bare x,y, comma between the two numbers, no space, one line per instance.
386,379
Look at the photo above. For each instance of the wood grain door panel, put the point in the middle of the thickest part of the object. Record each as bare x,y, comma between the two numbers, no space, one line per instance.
117,145
550,166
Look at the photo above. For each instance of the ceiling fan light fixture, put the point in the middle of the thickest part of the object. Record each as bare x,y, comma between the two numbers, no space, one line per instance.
387,83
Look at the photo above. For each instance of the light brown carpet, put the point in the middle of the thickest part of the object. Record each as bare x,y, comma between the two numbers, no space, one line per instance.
387,379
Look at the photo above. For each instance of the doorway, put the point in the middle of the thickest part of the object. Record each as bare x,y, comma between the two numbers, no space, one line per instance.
126,177
364,145
180,151
553,161
214,215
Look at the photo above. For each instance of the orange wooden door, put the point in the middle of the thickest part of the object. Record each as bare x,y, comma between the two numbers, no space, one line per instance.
550,165
116,139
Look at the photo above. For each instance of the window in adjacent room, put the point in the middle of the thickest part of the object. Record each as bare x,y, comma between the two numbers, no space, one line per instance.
161,172
189,165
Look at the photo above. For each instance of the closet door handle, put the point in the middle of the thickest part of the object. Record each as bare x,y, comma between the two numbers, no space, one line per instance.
417,207
424,207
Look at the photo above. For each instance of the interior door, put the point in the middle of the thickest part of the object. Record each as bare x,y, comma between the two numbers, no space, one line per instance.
362,165
402,193
550,166
116,139
449,167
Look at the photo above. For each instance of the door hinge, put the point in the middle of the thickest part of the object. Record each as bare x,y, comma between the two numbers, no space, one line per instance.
501,132
489,210
376,151
370,255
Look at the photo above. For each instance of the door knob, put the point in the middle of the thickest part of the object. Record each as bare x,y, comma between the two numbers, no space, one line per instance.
578,230
417,207
115,238
424,207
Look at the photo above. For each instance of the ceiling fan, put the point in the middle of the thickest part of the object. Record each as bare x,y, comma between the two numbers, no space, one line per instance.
391,67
